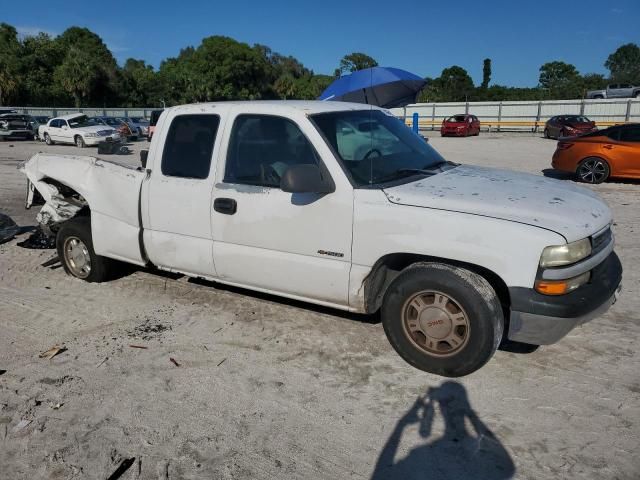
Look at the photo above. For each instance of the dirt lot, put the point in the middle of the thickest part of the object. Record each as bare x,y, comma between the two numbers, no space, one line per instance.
268,388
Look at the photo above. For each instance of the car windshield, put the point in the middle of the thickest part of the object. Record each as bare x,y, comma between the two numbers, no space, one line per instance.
375,147
578,119
456,119
81,121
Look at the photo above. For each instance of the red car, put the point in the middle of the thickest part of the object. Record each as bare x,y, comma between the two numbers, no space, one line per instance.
460,125
568,126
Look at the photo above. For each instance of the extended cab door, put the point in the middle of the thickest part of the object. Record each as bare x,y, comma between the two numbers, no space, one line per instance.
297,245
176,197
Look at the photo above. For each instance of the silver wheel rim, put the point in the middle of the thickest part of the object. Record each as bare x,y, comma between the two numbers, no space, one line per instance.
435,323
79,141
47,139
77,257
592,170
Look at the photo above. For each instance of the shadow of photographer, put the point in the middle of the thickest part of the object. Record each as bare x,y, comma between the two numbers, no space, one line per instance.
460,453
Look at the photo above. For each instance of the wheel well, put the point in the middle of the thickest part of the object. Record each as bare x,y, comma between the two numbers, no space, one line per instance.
71,196
387,268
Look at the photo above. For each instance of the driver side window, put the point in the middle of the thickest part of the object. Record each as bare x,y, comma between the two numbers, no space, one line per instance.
262,147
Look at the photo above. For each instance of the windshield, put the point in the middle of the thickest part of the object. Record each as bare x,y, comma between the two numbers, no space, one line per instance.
577,119
456,119
376,147
82,121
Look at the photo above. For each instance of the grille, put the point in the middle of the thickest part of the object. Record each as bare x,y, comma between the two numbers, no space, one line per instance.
601,241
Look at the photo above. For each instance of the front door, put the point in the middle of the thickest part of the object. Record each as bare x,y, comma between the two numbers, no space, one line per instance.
297,245
626,152
177,212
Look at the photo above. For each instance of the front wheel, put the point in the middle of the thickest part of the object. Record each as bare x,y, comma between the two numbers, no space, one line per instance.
80,142
442,319
47,139
75,250
593,170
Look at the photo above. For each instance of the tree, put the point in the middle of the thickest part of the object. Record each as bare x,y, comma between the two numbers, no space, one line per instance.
285,86
141,83
356,61
624,64
486,72
39,58
77,75
9,62
560,80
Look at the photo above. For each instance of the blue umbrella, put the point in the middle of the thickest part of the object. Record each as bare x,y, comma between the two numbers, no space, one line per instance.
382,86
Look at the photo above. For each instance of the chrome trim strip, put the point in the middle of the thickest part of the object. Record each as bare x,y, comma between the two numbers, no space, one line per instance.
580,267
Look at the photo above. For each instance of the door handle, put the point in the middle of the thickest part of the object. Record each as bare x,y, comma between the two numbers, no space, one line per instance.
227,206
607,146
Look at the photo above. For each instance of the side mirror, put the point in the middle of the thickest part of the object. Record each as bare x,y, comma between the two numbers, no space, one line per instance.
306,178
143,157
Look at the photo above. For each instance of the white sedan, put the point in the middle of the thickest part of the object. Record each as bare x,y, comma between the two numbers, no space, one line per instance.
76,129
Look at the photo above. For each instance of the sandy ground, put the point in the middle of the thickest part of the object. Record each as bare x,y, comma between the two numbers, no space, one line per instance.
268,388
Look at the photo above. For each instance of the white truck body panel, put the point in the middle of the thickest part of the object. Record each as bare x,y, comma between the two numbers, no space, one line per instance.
318,248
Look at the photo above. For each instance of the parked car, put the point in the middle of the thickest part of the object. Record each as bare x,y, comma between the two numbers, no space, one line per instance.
616,90
78,129
594,157
155,115
142,124
123,129
14,126
460,125
442,250
568,125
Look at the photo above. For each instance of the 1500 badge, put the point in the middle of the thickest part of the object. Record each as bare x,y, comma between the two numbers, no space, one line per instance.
331,254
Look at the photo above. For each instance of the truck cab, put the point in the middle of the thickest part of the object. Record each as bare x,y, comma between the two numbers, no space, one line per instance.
342,205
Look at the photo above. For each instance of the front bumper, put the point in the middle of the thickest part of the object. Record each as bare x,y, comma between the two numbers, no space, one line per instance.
16,134
542,319
96,140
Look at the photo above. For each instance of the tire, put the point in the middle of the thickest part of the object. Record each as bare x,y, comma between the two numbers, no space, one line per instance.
593,170
459,343
47,139
75,247
598,96
79,141
546,133
637,95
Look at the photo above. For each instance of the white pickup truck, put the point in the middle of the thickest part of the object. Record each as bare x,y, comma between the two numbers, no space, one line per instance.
342,205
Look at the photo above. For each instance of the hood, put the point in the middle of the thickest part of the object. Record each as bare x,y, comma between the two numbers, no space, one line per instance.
581,125
94,129
560,206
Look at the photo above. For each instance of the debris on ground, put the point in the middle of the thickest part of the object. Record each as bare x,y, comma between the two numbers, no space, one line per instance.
52,352
173,360
2,372
56,406
149,330
21,424
123,467
103,360
221,361
138,346
39,239
8,228
51,261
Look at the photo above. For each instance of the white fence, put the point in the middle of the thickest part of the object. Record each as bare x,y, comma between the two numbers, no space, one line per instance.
526,115
90,111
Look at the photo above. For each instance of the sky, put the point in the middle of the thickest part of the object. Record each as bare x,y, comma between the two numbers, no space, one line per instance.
420,36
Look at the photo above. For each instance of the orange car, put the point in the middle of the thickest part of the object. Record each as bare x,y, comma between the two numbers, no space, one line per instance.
596,156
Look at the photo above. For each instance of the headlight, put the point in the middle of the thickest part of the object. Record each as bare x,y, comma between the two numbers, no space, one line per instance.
559,255
90,135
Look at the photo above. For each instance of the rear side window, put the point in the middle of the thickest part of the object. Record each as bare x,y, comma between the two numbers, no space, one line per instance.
630,134
189,145
262,147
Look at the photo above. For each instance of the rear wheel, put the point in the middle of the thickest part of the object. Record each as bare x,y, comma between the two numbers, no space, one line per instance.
75,250
593,170
442,319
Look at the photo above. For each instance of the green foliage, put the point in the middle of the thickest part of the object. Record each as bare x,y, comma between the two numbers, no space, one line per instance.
560,79
486,72
9,63
624,64
356,61
77,67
